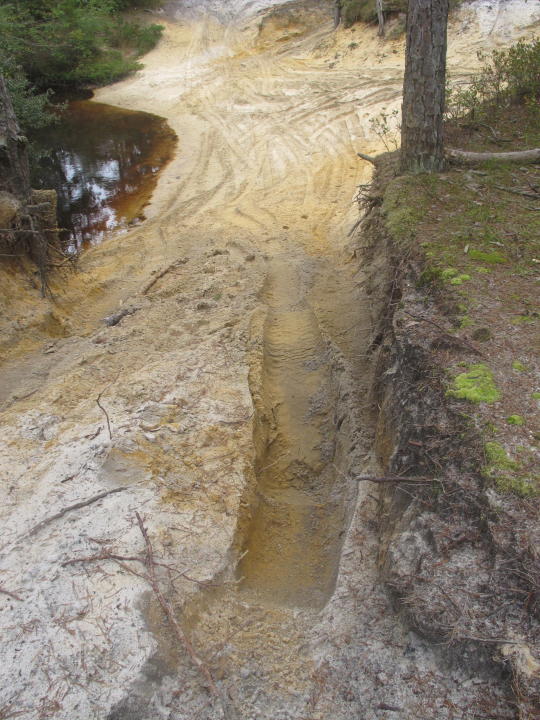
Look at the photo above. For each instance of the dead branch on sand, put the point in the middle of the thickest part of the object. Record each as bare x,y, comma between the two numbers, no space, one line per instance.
394,479
69,508
169,612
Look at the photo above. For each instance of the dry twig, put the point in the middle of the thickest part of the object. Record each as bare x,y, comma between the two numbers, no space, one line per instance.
516,191
160,274
394,479
169,612
100,406
76,506
450,338
11,594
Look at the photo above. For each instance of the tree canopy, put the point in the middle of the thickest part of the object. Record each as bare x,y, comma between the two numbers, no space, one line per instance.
67,44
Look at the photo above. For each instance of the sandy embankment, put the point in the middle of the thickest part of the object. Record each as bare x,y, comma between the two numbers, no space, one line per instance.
261,188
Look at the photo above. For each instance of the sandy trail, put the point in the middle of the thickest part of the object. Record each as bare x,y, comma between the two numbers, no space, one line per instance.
236,392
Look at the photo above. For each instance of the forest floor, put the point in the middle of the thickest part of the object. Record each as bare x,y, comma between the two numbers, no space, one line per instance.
230,396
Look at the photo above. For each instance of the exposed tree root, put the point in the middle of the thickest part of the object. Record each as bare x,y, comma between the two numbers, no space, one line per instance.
463,157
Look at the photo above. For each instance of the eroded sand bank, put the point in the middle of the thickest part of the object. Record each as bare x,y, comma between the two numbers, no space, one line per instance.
235,390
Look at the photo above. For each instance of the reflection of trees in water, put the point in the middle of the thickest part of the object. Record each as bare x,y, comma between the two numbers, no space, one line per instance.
98,158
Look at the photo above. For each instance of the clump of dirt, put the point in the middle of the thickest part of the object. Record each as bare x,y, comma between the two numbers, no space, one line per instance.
456,374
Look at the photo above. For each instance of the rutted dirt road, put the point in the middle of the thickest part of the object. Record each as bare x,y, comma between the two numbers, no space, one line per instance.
235,392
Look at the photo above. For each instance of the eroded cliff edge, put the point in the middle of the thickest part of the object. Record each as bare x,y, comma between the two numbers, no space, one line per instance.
459,542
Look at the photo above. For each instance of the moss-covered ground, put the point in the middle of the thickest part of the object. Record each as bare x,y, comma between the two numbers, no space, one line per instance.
476,236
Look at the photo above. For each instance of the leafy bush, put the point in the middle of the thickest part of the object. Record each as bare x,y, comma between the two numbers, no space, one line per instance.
66,43
32,108
509,76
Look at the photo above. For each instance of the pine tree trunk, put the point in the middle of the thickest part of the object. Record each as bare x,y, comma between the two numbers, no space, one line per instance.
424,87
337,13
380,16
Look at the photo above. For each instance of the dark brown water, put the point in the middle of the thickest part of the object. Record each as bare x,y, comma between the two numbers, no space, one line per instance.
103,162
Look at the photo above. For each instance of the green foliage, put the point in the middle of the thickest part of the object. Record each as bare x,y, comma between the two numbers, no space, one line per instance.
515,420
492,258
502,470
31,108
508,76
366,11
497,457
519,366
358,11
476,385
403,216
72,43
386,126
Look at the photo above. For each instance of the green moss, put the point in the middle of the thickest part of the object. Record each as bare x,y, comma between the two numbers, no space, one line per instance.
522,319
536,396
448,273
515,420
452,276
460,279
491,258
466,322
476,385
521,486
497,457
403,214
499,470
483,270
519,366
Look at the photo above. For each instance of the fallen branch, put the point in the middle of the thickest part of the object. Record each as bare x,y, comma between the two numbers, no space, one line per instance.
169,612
76,506
515,191
11,594
464,157
368,158
100,406
394,479
160,274
120,559
101,556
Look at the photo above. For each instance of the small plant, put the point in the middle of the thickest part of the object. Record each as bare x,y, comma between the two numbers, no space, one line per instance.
386,127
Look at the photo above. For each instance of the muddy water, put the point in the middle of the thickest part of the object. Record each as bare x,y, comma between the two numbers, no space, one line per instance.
103,161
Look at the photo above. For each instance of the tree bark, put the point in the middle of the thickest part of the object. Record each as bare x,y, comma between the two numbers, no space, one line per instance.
337,13
14,167
424,87
380,16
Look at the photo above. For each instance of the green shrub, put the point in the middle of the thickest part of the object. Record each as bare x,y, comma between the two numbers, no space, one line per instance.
70,43
508,76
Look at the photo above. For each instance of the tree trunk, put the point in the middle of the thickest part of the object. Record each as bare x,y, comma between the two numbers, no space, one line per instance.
380,16
28,218
424,87
14,167
337,13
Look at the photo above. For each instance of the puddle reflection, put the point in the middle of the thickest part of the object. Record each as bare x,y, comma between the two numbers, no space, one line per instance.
103,162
